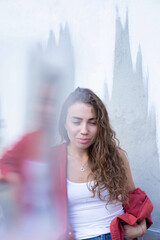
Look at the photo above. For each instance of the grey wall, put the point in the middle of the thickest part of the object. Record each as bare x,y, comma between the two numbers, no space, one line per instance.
134,125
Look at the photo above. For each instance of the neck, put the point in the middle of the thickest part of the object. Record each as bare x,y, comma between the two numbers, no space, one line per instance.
76,152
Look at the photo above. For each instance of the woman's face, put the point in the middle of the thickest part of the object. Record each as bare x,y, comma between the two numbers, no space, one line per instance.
81,125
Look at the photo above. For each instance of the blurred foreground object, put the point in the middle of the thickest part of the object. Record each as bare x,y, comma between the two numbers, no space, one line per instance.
27,169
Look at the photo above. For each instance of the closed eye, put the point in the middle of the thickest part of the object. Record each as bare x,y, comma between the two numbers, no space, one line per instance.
76,123
92,123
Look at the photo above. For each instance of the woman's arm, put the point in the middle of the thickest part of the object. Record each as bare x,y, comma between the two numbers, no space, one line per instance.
128,170
140,229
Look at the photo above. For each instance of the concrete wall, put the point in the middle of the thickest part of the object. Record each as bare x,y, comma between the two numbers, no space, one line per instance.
134,125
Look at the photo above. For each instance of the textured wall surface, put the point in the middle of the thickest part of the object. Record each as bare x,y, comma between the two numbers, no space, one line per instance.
134,125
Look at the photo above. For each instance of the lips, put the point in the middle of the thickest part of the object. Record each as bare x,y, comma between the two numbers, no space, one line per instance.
83,140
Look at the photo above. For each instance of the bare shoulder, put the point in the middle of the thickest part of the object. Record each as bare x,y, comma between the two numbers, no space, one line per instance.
123,155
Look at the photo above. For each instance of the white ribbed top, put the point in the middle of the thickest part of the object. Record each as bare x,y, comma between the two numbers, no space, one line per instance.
88,216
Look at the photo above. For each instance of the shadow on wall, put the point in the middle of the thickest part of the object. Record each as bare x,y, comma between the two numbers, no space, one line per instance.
59,58
135,128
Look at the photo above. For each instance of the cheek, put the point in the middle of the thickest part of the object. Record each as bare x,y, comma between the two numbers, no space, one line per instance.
71,131
95,132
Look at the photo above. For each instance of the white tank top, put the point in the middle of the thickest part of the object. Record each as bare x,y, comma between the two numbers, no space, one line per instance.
87,214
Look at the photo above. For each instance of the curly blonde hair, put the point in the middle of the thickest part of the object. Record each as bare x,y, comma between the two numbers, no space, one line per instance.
105,161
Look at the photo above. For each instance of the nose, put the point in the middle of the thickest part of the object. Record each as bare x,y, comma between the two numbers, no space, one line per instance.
84,129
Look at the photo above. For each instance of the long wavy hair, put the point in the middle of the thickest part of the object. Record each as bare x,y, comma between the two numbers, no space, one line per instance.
105,161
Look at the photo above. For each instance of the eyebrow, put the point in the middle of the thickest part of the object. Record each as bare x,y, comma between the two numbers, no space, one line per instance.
78,118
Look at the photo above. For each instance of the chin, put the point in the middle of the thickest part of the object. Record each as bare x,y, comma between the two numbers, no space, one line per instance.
83,146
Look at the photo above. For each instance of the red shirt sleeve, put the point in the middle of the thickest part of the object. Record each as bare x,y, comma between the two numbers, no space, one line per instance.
10,160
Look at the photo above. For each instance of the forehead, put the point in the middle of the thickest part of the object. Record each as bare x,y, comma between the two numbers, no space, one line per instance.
81,110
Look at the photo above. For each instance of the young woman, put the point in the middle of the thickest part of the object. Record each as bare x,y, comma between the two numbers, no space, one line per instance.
98,173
